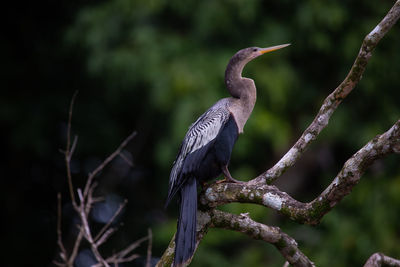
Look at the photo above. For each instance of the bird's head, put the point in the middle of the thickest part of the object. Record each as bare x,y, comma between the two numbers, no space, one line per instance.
233,72
250,53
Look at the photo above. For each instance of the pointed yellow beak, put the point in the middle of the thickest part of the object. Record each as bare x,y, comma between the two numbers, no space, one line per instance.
272,48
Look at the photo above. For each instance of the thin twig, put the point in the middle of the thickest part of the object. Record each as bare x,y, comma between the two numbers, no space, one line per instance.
128,161
89,198
105,227
121,256
68,153
98,256
83,214
107,161
63,253
130,258
75,249
104,237
131,247
73,148
150,244
115,261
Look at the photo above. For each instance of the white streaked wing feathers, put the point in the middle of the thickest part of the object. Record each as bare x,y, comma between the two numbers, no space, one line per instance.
200,133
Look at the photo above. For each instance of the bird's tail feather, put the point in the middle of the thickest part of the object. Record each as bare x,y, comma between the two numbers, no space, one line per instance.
185,238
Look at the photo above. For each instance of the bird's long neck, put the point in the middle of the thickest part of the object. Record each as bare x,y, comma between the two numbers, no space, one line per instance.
242,89
233,76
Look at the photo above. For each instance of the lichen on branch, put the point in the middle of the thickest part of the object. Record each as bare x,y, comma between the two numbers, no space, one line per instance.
312,212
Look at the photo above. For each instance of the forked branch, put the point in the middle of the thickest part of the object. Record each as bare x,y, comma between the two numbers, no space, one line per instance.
258,191
312,212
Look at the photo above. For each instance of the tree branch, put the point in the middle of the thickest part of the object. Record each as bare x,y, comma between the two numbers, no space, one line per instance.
312,212
334,99
286,245
379,259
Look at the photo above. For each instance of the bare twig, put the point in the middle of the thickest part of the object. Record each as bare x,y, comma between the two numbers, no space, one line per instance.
86,201
105,227
83,215
75,249
150,244
116,261
69,151
379,259
63,252
73,147
121,256
334,99
87,206
131,247
107,161
130,163
105,236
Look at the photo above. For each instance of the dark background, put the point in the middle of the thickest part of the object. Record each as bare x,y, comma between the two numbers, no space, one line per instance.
154,67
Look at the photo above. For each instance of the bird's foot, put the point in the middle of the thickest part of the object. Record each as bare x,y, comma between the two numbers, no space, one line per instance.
228,177
229,180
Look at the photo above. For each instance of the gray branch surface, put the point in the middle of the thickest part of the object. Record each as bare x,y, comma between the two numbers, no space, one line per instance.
213,218
380,259
312,212
285,244
260,191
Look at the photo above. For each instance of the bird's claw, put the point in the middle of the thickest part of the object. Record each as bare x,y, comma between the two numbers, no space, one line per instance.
229,180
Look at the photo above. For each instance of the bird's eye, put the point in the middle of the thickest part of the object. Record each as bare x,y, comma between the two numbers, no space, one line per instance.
254,49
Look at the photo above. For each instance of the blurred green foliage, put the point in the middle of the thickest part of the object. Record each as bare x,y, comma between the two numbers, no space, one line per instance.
156,65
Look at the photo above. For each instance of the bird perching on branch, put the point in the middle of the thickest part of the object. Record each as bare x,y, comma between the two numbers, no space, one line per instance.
206,149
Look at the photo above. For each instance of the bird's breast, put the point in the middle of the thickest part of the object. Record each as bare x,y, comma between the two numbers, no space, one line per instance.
240,114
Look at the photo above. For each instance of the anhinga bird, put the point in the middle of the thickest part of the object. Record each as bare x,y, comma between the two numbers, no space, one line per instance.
206,149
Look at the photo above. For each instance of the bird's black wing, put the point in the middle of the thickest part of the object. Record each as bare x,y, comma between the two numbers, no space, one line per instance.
200,134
